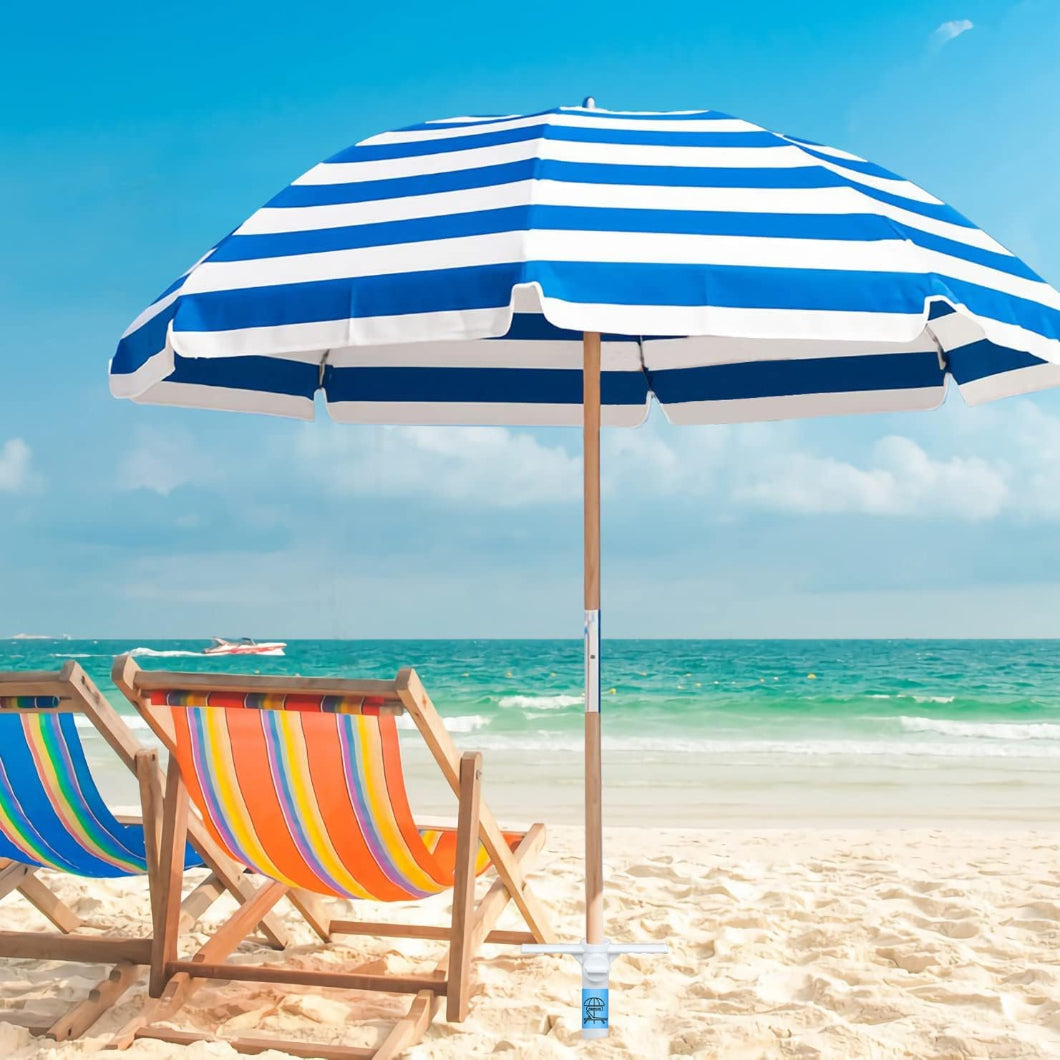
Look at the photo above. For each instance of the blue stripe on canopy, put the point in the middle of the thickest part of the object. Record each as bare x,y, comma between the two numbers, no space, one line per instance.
736,273
480,385
980,360
754,379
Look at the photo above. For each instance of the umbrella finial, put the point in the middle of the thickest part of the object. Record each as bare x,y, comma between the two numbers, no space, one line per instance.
589,103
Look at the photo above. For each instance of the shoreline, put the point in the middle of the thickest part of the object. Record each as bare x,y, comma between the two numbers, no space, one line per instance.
696,791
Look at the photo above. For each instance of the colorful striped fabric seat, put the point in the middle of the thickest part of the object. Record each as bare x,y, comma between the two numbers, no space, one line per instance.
307,792
51,813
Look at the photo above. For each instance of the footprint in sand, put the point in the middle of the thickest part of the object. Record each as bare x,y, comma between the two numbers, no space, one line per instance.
908,962
659,870
952,929
734,889
1039,911
782,987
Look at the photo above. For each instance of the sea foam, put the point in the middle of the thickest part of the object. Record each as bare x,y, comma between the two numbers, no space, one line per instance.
759,750
991,730
152,653
133,721
559,702
460,723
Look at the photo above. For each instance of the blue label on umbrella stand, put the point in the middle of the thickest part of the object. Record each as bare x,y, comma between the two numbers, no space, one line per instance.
594,1009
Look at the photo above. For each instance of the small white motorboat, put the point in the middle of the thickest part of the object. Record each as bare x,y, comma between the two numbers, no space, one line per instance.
244,646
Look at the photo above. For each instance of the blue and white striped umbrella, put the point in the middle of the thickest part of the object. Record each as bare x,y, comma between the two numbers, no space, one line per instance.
736,274
463,271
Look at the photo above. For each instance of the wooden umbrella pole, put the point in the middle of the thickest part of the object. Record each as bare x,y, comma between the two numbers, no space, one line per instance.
594,851
595,954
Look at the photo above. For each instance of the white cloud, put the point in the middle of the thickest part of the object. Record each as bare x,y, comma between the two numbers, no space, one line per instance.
950,31
1031,442
900,479
970,465
967,464
642,461
161,462
488,466
15,473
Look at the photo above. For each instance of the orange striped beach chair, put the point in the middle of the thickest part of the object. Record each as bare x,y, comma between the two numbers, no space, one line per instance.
53,817
300,780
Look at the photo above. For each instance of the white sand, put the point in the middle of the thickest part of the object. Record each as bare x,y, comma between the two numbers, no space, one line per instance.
813,943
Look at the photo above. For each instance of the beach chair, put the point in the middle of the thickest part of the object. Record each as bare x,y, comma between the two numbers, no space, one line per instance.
53,817
301,780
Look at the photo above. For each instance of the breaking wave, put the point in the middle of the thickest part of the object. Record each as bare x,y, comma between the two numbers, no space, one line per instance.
989,730
559,702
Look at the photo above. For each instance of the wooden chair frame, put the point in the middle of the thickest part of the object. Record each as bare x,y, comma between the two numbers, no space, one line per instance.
471,924
78,694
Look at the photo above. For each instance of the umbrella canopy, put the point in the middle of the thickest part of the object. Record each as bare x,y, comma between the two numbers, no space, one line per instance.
735,273
563,268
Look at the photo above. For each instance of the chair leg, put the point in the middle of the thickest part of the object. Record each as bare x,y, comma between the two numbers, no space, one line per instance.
168,878
201,898
459,989
149,779
410,1029
151,815
15,876
102,996
49,904
12,875
314,911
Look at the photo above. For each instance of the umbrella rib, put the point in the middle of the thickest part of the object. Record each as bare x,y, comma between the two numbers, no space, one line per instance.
944,363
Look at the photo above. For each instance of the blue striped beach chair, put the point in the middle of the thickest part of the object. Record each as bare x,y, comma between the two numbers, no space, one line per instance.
53,817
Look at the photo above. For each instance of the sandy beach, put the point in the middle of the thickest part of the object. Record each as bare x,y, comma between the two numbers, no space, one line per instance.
854,943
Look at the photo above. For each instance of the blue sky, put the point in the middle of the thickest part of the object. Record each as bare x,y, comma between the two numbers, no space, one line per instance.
131,139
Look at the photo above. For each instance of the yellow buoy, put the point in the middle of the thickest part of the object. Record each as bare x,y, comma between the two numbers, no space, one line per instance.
611,691
811,677
508,673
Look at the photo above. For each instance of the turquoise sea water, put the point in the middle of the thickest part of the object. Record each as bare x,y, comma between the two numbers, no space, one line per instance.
934,698
736,727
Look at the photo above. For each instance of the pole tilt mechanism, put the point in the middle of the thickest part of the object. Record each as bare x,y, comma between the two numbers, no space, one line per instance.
596,971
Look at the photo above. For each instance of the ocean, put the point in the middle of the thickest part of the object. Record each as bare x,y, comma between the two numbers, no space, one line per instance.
714,732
